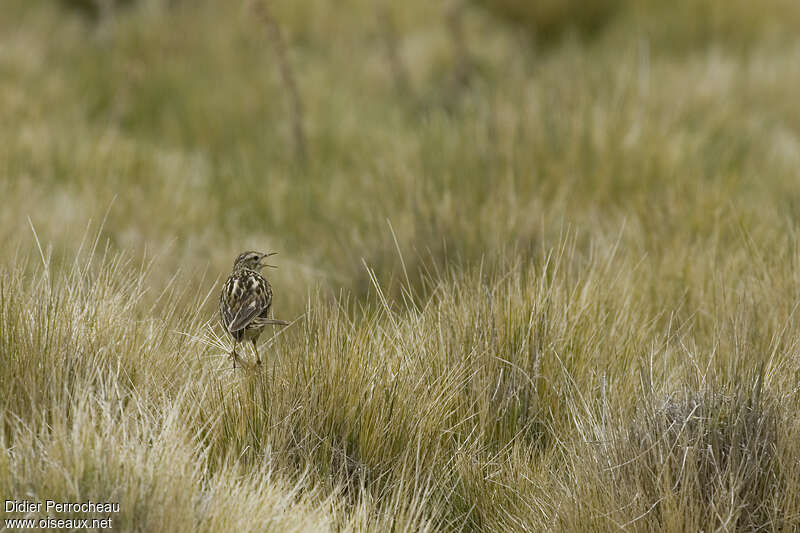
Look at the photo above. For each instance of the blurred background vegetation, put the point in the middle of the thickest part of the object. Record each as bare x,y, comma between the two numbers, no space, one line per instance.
472,127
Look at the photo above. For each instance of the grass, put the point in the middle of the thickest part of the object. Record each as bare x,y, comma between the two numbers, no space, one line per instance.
544,286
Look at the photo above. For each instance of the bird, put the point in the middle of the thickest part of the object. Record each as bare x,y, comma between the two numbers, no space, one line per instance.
245,301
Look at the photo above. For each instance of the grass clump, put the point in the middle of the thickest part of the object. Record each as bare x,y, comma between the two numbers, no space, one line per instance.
712,460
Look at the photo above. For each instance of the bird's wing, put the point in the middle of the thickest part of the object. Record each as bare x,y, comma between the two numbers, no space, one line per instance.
225,310
243,298
250,308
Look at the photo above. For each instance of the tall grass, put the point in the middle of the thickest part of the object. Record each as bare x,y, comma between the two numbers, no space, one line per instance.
560,297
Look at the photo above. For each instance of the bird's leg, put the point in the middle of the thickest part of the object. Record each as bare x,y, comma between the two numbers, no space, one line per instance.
233,355
258,357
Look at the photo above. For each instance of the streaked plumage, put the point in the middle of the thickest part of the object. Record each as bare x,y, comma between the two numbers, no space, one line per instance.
245,301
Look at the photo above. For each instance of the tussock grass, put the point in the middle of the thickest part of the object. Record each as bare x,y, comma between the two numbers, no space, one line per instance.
474,408
560,297
693,461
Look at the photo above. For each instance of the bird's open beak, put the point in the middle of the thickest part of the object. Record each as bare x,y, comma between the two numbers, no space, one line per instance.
261,262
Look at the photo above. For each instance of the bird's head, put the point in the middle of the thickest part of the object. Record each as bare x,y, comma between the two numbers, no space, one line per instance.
252,260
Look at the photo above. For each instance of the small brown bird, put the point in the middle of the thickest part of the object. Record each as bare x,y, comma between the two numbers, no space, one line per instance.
245,302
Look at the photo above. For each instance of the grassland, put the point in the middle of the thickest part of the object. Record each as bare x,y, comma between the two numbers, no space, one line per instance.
538,280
